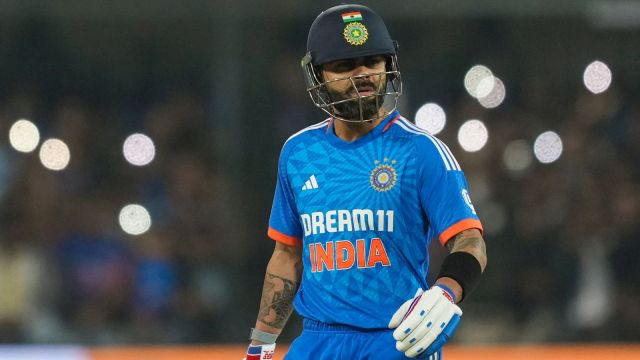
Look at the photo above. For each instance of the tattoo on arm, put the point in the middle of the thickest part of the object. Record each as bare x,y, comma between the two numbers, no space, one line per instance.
452,242
277,300
465,243
469,242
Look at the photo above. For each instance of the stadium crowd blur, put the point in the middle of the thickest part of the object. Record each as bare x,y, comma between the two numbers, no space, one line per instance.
562,237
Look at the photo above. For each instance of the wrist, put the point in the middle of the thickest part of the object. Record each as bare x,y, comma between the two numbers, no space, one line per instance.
448,292
257,343
259,337
463,270
451,286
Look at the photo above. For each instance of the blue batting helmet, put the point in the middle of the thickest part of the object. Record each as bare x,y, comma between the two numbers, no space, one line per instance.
349,32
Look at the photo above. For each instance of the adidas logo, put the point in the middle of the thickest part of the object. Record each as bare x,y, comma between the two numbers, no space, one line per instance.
310,184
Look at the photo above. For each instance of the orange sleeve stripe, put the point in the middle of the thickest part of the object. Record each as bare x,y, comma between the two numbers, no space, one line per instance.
284,238
458,227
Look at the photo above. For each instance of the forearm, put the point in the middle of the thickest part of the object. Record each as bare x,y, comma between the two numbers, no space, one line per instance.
471,242
281,283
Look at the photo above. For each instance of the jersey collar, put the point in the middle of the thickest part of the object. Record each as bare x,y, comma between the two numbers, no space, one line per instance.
375,132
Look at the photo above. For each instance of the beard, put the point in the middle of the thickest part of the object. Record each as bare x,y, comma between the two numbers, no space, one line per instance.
351,109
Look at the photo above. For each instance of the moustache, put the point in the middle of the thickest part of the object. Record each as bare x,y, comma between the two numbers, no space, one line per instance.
361,86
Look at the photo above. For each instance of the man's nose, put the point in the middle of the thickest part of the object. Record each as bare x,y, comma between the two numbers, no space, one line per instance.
362,70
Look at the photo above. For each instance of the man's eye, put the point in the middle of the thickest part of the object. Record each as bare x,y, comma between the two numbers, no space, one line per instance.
345,66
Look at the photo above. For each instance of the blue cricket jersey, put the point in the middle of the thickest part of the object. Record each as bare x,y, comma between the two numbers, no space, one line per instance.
364,213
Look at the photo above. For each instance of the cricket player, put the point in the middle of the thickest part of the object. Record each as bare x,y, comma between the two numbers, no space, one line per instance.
359,198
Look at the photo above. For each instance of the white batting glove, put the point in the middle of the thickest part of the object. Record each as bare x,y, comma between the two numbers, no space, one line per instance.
261,352
425,323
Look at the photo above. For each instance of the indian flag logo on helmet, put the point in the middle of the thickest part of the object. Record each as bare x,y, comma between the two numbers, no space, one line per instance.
355,33
352,16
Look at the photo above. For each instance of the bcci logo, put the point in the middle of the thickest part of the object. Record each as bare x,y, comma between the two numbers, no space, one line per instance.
384,176
355,33
467,199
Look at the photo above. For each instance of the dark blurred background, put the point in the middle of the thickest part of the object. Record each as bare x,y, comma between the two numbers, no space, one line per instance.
217,86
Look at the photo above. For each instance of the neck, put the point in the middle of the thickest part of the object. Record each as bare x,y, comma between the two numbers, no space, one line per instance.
351,131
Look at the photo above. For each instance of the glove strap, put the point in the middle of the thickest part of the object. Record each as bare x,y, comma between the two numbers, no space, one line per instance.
262,336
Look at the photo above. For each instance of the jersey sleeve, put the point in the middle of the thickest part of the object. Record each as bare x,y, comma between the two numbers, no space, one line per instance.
284,222
444,193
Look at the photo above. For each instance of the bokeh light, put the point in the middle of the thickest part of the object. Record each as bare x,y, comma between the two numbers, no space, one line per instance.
473,135
517,155
597,77
138,149
479,81
431,117
547,147
24,136
496,96
54,154
134,219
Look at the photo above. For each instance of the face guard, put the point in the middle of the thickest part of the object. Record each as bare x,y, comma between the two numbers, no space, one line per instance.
367,105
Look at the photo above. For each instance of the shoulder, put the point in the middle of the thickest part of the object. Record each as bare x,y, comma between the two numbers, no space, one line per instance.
426,145
308,134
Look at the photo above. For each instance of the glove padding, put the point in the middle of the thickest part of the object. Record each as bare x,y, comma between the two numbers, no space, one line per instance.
425,323
260,352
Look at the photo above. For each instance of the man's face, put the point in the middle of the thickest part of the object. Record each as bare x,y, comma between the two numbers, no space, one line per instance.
368,83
